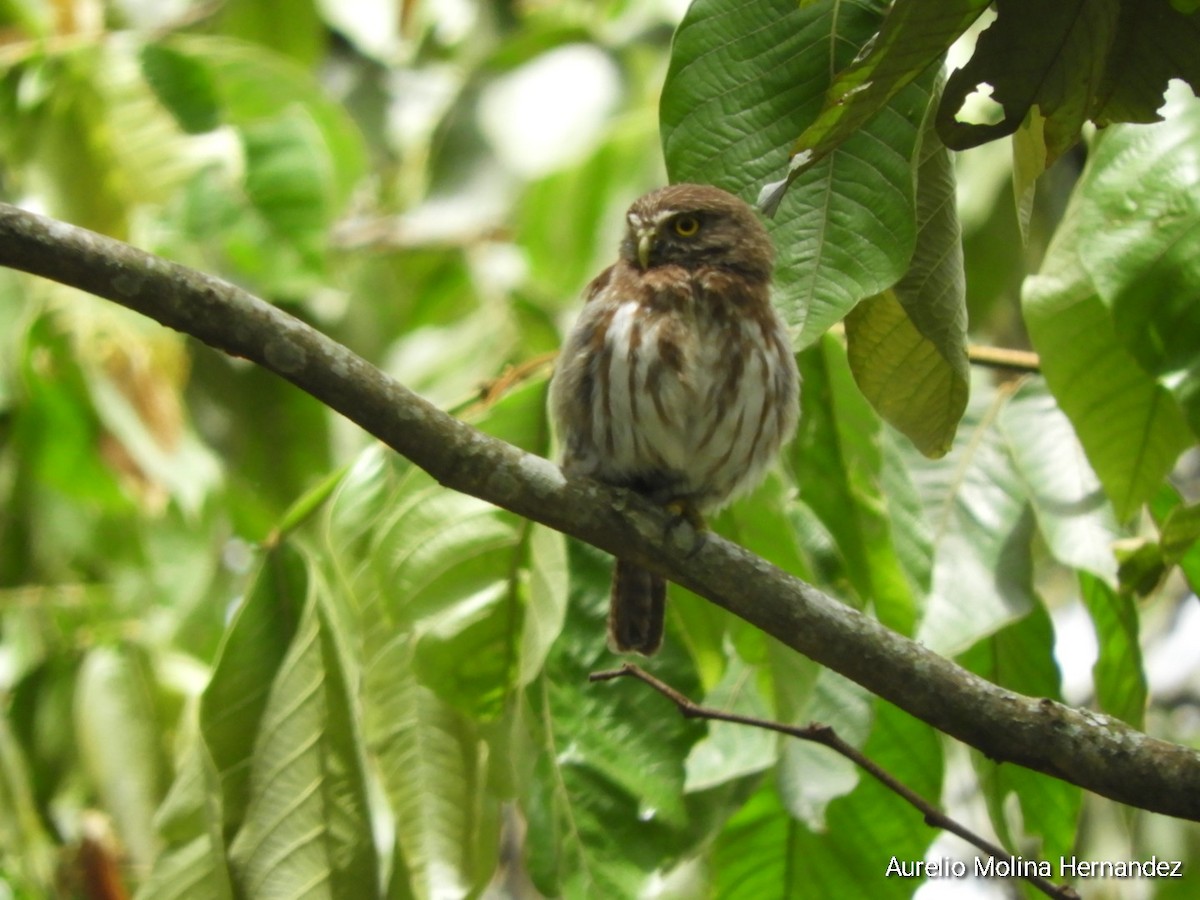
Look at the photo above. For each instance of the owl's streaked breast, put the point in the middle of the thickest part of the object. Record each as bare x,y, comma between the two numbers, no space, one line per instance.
675,398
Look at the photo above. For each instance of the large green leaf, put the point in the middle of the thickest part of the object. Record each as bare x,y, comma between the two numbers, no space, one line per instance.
870,825
730,750
430,586
1073,514
764,852
1139,240
840,460
745,79
977,509
908,346
192,864
1104,60
1131,427
753,856
432,763
307,829
913,37
248,661
605,803
443,565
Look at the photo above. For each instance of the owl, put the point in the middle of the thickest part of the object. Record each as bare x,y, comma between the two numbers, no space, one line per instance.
678,379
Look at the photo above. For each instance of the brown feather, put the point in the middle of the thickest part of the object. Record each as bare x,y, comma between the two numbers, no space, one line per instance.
636,609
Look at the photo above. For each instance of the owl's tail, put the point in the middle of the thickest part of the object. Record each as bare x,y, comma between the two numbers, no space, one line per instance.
635,612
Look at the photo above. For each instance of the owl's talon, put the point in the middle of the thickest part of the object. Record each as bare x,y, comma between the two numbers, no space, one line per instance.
682,509
686,528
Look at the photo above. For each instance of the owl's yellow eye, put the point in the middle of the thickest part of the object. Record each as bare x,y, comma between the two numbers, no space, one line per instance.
687,226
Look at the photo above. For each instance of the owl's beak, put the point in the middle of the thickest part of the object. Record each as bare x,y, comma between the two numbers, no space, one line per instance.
645,243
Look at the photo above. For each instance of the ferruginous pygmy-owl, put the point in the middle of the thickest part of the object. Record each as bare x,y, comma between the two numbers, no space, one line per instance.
678,380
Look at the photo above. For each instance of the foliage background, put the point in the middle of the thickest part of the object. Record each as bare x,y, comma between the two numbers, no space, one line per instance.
245,652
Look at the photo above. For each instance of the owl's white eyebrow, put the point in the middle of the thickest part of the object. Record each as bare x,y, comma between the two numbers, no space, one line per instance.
663,215
637,220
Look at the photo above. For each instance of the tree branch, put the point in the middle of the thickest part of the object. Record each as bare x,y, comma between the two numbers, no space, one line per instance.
1023,361
818,733
1093,751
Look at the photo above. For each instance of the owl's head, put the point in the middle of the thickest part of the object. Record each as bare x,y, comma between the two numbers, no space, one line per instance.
695,225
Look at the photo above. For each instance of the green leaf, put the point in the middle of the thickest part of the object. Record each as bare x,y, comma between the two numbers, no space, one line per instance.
764,852
976,506
1179,533
546,607
1033,54
870,825
253,85
192,865
120,731
744,80
184,86
408,556
432,763
1072,511
287,180
290,28
446,567
812,777
253,649
1103,60
753,856
1021,657
1119,676
908,346
1139,240
606,799
730,750
81,131
307,829
1131,428
840,460
912,38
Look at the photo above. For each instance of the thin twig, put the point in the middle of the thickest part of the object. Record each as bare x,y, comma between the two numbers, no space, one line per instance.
1024,361
819,733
